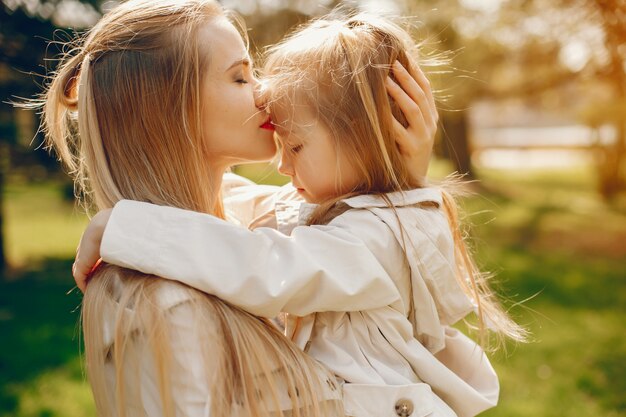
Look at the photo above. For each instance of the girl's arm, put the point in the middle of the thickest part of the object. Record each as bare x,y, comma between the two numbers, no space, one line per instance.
317,268
245,202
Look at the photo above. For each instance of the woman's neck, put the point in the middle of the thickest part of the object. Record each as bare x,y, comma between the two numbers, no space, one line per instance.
215,187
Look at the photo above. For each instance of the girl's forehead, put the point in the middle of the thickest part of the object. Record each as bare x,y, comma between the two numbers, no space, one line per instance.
287,130
294,125
292,111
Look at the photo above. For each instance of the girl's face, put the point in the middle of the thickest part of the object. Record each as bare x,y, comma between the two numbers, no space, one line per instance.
308,155
236,127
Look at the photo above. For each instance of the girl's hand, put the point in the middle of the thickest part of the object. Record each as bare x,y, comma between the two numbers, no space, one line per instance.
415,98
88,252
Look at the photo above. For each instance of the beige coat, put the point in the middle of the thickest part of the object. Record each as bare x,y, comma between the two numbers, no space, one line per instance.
377,318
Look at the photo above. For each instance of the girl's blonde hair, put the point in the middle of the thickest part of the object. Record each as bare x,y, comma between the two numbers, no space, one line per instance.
337,66
123,113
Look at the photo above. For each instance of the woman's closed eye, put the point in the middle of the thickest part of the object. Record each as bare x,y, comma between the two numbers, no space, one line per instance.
241,79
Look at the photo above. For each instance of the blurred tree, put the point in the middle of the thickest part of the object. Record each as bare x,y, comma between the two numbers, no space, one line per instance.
534,49
456,86
25,29
585,41
612,18
21,53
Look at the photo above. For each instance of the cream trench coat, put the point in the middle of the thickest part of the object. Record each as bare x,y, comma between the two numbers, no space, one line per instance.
391,344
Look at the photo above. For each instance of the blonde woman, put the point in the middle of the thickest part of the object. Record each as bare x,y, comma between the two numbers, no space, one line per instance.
154,104
329,85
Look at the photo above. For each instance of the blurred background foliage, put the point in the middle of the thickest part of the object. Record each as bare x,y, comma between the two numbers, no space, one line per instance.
533,107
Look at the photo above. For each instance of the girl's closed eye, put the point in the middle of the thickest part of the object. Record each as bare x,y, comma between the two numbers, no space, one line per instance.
296,148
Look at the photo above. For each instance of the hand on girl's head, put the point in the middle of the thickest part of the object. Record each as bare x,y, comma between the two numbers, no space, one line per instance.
413,94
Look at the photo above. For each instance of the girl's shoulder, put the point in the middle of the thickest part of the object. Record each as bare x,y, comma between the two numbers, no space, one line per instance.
400,205
415,197
391,219
377,219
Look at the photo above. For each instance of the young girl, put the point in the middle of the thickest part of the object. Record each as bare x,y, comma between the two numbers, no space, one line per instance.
336,125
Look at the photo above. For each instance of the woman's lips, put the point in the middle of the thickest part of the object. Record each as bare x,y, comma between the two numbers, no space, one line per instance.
268,125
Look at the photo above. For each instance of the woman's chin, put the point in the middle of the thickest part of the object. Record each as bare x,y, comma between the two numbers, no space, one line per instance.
265,153
262,156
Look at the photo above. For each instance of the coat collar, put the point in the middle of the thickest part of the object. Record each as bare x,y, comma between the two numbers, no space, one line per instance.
397,199
293,212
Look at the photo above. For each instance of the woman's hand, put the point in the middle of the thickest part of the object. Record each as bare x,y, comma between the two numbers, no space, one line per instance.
88,252
414,96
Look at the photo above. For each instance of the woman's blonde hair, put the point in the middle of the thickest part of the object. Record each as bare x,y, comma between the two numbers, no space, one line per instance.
337,67
123,113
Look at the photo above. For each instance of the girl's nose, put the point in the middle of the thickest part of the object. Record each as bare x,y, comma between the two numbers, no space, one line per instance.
284,165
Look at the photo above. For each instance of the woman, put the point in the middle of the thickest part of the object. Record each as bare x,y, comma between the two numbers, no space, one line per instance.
154,105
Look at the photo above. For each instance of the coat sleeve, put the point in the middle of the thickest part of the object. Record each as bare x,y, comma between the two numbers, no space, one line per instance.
244,200
190,373
255,205
190,368
317,268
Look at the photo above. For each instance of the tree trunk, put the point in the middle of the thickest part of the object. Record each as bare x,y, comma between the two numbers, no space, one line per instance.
611,167
456,142
613,14
4,155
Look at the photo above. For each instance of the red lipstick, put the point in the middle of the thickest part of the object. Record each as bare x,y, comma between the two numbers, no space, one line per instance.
268,125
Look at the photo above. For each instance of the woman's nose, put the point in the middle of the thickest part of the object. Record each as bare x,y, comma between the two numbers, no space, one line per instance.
260,94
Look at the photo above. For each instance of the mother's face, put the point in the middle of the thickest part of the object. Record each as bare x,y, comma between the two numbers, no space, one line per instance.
235,125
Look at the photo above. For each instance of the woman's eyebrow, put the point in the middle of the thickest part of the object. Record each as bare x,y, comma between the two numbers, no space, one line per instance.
243,61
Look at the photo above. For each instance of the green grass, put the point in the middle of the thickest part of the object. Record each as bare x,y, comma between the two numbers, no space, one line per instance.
547,236
550,239
41,372
40,368
40,223
262,173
